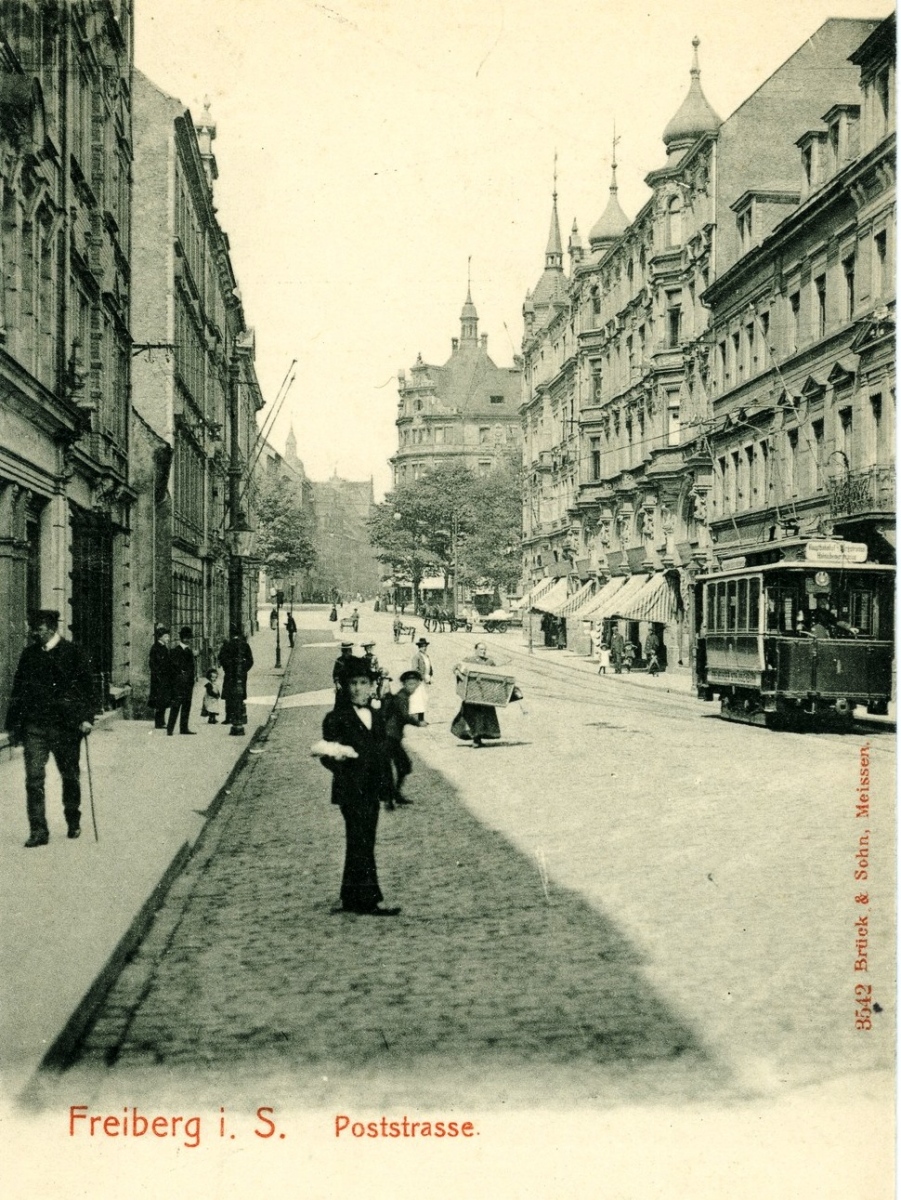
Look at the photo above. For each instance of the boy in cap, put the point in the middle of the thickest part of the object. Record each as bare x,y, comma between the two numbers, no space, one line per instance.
396,709
379,674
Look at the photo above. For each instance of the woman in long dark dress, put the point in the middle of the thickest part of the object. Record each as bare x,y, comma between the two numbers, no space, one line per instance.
359,783
477,722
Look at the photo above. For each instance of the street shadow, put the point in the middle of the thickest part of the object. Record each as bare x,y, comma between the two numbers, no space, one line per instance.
494,984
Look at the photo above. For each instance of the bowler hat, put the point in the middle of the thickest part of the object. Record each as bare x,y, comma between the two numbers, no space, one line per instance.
44,616
410,675
422,642
347,645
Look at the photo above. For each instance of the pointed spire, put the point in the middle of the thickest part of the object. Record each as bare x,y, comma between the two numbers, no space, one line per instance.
695,116
291,444
612,220
469,318
553,256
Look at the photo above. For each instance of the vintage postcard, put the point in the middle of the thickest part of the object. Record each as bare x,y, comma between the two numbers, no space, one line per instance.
473,427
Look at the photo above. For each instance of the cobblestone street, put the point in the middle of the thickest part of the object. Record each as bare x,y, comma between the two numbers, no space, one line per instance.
506,979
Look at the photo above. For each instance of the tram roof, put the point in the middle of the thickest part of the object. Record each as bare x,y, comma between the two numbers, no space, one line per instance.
795,565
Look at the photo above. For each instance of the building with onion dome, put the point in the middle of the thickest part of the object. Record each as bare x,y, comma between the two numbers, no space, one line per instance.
464,411
617,410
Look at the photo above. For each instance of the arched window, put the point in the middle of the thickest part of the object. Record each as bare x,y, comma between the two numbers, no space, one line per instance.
674,222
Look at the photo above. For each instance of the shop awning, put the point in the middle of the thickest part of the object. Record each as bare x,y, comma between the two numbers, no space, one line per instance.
656,601
432,583
550,601
586,609
577,599
541,588
621,598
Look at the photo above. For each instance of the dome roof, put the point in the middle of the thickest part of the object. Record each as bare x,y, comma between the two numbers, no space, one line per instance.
695,116
612,221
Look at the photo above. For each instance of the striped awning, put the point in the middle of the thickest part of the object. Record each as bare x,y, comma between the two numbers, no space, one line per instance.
620,599
576,600
657,601
541,588
587,608
550,601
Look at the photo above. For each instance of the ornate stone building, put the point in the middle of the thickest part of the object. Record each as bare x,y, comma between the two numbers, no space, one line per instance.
465,411
802,370
619,472
192,376
65,294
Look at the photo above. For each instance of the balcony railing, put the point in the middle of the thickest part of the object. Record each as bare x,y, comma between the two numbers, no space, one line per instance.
872,490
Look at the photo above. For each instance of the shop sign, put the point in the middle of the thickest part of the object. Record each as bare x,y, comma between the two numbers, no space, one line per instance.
833,553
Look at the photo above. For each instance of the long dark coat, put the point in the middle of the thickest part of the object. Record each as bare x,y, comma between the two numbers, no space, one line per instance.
358,786
235,659
51,688
183,673
160,676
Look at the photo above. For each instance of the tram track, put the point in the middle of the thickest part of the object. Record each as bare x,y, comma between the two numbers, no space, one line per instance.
588,689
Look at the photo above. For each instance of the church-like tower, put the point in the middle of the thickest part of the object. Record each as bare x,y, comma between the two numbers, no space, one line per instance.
465,411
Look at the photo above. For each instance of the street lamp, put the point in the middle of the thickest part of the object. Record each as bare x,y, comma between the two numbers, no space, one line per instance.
279,601
240,539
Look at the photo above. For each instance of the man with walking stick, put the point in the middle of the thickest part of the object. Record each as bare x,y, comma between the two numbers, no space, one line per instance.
50,710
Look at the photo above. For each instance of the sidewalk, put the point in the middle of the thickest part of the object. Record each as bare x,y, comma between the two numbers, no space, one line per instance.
68,906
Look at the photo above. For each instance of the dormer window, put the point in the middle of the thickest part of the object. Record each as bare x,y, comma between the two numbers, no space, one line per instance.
813,153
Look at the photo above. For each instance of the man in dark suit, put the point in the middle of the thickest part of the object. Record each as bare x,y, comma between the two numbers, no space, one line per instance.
160,684
183,676
358,785
50,709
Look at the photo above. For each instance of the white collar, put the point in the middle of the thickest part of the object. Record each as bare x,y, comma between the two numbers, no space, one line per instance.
54,642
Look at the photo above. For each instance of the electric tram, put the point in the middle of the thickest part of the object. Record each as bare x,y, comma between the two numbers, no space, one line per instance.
803,641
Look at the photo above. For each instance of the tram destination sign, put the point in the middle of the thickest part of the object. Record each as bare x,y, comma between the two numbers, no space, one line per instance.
834,553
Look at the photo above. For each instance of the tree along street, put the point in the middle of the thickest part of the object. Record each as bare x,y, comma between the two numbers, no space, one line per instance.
625,900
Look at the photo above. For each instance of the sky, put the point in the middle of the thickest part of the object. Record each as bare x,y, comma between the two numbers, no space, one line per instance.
368,149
